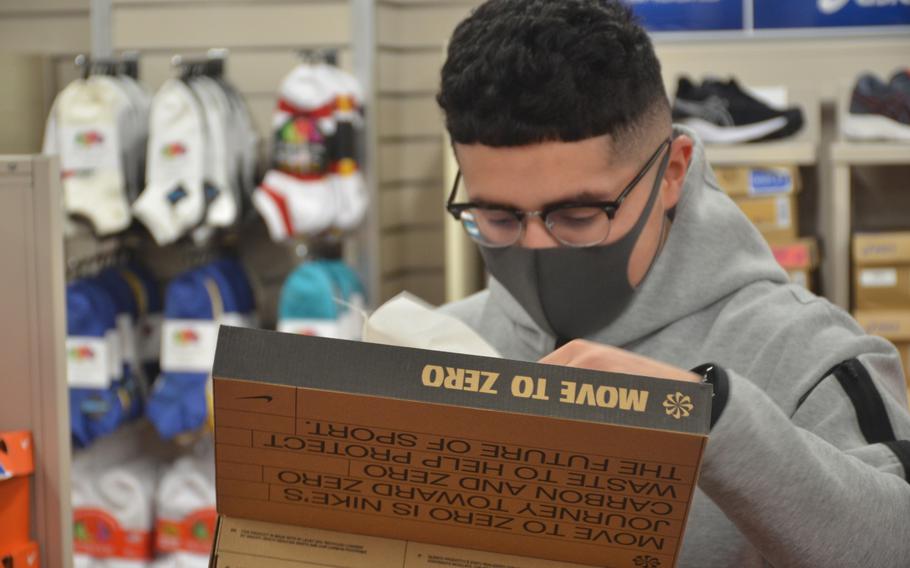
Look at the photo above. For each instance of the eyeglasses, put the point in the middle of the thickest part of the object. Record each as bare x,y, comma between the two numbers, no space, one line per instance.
572,223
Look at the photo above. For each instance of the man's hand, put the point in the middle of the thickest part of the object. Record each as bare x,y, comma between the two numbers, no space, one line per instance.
588,355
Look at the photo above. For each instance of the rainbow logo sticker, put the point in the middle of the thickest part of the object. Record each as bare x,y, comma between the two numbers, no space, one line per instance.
89,138
186,337
173,150
81,353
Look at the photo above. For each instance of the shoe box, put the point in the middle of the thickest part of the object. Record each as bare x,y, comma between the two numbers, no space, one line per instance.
767,196
17,465
740,182
881,288
881,271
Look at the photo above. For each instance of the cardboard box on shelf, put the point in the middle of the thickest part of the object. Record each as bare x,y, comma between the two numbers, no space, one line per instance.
446,450
745,181
775,217
893,325
882,287
17,464
881,249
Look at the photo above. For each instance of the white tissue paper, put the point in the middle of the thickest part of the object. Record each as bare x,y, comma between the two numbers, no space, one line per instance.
408,321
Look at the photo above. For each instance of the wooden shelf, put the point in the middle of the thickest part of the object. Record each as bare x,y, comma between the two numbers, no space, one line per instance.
799,150
871,153
790,152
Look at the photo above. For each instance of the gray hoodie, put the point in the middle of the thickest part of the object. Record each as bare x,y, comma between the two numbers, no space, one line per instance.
802,467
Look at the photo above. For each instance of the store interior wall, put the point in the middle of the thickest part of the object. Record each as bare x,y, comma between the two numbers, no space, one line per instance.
38,41
410,51
264,36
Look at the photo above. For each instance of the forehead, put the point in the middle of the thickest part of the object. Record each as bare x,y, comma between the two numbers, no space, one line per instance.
540,173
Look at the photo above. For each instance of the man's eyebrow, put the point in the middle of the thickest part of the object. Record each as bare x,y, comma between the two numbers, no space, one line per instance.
584,196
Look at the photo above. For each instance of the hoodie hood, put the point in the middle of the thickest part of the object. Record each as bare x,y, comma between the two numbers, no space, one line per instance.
711,252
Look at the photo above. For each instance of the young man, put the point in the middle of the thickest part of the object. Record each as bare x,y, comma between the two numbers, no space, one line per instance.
611,247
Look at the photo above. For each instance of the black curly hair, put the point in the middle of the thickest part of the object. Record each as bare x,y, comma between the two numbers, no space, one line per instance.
521,72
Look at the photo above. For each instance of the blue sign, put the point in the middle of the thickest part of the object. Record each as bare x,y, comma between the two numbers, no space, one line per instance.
777,14
689,15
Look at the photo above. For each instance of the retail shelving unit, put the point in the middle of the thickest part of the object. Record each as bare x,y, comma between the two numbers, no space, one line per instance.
800,150
844,156
33,393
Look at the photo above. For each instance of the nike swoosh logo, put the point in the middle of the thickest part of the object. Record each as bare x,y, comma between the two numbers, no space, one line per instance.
265,398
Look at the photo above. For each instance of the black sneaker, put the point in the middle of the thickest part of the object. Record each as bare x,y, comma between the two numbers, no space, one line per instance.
879,111
722,113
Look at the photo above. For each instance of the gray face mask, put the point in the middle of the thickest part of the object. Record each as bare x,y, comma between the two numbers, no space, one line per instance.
572,292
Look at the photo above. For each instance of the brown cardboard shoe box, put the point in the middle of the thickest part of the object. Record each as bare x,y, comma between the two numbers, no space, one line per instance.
881,273
882,287
348,454
893,325
745,181
881,249
774,216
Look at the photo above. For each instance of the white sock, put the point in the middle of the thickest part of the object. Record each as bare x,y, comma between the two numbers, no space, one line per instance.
113,476
173,201
90,154
293,206
222,205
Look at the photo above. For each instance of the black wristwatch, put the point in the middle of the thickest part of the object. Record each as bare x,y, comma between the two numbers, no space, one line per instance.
715,376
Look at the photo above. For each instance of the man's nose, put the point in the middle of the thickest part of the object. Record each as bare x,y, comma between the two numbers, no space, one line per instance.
536,234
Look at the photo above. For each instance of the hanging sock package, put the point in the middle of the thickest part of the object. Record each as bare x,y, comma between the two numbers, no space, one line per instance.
173,201
196,303
87,127
295,197
98,402
185,508
324,298
308,303
112,495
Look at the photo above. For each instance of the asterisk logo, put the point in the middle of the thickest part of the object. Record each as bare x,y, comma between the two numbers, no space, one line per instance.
678,405
646,561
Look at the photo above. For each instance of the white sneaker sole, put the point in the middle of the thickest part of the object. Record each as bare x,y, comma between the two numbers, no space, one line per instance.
714,134
875,127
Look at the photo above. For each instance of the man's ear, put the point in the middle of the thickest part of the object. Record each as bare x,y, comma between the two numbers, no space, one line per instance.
677,167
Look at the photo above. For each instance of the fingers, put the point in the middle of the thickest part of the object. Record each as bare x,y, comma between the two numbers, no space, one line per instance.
583,354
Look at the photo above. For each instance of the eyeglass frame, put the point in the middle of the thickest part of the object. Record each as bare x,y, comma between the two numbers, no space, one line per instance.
610,207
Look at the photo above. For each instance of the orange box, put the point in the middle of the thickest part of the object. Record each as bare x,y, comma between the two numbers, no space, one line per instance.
17,464
24,556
